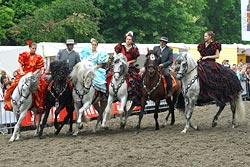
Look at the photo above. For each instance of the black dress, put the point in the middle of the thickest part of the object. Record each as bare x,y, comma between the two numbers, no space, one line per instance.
216,81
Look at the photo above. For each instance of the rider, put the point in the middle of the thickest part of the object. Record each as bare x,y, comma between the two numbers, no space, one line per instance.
99,59
131,52
214,78
165,54
69,55
29,62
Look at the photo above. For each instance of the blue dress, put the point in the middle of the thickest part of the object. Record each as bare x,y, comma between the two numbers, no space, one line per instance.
99,80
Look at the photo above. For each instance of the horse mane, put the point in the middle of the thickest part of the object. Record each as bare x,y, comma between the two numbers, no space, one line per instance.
81,70
58,66
33,81
190,60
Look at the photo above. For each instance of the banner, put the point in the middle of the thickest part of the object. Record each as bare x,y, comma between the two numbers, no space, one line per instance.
245,20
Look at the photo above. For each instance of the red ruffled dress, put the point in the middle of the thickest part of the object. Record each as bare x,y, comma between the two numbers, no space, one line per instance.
29,65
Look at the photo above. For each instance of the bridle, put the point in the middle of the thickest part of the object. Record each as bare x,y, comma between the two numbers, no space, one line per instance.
185,72
149,92
121,73
20,92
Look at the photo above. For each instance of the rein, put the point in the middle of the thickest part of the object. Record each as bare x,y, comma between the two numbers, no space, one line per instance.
85,91
21,94
153,89
59,94
192,80
115,90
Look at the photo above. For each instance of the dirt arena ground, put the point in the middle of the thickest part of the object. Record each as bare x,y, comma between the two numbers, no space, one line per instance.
208,147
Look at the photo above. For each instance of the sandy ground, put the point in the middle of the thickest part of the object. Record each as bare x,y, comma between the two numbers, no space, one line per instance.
220,146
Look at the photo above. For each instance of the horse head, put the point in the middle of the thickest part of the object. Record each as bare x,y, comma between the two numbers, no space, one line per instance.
59,70
151,63
120,65
28,84
83,73
184,64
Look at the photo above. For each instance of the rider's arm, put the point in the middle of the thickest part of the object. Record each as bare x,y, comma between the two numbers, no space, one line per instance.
21,69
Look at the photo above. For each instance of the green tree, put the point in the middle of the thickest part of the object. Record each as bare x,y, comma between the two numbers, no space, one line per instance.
224,18
62,19
179,20
6,17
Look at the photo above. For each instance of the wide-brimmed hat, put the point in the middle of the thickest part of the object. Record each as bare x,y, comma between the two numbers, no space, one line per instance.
70,41
165,39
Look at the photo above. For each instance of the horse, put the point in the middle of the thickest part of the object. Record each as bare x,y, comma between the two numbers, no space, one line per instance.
21,100
186,68
84,93
118,90
58,95
154,89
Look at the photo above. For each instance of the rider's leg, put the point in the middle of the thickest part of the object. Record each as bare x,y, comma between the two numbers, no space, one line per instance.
169,82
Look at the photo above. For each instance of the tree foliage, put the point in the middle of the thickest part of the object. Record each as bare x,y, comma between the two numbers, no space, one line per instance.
180,20
108,20
6,17
62,19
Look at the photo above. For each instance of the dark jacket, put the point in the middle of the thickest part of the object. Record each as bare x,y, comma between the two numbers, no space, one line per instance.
165,57
71,58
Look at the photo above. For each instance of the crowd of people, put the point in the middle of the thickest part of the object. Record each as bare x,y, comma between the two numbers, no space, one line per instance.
208,69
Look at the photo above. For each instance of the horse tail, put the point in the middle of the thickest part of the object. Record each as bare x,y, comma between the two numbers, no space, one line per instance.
240,108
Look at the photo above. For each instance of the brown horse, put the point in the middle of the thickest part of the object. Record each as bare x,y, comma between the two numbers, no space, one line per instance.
154,88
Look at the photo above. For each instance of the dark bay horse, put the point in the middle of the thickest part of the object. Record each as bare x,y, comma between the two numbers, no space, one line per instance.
154,89
59,95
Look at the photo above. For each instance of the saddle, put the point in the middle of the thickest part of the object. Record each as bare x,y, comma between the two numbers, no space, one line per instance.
174,83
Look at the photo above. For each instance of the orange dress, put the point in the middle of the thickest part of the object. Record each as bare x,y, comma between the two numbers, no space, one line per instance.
29,65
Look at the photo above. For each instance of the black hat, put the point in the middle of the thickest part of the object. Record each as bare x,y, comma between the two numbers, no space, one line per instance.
165,39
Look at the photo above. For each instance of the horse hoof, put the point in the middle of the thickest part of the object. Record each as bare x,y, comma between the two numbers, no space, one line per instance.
56,133
214,124
75,134
184,131
80,126
157,128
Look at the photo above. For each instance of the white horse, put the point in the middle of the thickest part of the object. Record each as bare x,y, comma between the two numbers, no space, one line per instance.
21,100
118,90
83,92
186,68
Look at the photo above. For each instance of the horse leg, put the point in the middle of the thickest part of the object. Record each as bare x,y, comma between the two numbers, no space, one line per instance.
71,110
123,112
171,104
77,116
214,123
143,103
38,124
106,112
17,126
157,104
189,105
233,108
100,112
44,122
